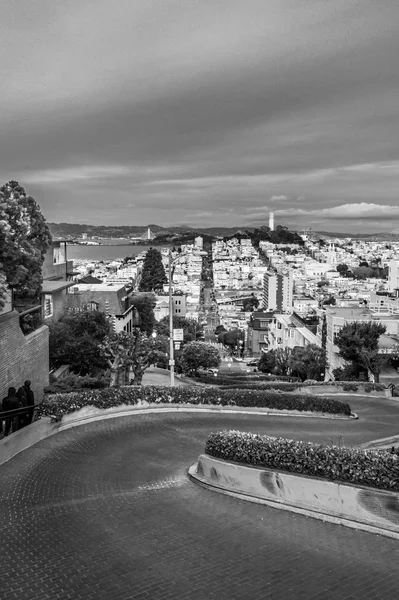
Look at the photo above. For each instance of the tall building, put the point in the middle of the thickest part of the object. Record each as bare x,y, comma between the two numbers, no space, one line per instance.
271,221
277,291
393,275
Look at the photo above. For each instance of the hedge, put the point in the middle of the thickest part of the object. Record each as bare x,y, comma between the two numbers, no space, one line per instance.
376,468
58,405
277,384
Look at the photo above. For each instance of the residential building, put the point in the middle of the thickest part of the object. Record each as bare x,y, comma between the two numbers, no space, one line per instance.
58,277
110,298
257,332
393,276
277,291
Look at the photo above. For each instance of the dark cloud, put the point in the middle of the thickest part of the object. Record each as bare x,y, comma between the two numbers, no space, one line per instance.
217,111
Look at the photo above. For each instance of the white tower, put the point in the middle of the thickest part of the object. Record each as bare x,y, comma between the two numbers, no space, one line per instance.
271,221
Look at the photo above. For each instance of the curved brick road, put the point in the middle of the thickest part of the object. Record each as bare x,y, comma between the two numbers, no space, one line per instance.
106,511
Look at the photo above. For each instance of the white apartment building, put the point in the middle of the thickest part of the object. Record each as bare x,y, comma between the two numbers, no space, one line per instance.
393,275
277,291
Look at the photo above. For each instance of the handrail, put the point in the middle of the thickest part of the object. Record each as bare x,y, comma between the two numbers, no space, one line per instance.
16,411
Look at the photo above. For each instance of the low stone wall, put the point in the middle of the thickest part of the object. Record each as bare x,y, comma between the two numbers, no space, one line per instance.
26,437
329,390
30,435
357,506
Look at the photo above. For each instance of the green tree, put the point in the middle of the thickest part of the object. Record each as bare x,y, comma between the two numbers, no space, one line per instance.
145,304
250,304
76,339
233,340
309,362
153,274
330,301
24,240
358,345
342,269
128,353
283,361
198,355
267,362
192,330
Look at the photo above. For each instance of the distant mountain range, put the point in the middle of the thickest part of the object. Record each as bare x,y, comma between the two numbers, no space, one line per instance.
75,230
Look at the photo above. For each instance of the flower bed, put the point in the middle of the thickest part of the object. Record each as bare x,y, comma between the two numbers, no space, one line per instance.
57,405
376,468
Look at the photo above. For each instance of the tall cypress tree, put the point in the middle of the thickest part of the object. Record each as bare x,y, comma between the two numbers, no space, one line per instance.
153,275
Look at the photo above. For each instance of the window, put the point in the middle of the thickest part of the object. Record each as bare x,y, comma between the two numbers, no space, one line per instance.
93,305
263,324
48,306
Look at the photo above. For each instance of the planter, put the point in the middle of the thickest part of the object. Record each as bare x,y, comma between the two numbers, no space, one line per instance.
357,506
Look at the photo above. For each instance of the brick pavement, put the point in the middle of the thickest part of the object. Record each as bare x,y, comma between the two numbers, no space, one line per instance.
106,511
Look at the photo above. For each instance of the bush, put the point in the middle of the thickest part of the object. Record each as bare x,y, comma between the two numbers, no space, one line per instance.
73,382
376,468
58,405
350,387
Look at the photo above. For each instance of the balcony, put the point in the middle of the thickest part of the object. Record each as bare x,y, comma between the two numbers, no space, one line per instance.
30,319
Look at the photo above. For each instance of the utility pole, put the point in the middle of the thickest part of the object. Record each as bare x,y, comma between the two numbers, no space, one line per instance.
171,347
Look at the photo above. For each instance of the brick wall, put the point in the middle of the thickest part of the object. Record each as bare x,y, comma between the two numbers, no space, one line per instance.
23,356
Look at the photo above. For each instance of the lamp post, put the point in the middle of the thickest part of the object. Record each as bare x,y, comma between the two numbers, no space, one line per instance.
171,348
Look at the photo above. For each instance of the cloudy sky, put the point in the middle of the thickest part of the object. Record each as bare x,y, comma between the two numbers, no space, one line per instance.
204,112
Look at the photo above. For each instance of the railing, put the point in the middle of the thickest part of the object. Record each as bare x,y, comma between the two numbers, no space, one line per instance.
30,319
15,418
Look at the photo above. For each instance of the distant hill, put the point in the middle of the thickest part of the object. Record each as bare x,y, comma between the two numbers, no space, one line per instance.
75,230
359,236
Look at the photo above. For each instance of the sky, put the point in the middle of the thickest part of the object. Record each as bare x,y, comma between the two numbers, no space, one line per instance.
204,112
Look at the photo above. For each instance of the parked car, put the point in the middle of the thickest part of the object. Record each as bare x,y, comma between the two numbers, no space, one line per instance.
213,372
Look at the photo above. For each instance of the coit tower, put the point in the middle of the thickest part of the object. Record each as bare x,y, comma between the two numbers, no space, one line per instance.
271,221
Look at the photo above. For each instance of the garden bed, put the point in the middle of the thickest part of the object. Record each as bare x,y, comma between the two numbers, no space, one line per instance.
375,468
58,405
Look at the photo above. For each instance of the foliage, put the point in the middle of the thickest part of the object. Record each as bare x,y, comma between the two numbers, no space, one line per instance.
131,352
330,301
358,344
24,240
192,330
61,404
250,304
153,274
267,362
375,468
347,373
73,383
309,362
342,269
233,340
145,304
197,355
281,235
75,340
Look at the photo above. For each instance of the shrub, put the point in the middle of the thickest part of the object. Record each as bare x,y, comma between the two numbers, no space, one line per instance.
350,387
73,382
376,468
60,404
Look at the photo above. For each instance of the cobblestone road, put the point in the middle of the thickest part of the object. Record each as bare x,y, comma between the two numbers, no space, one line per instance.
106,511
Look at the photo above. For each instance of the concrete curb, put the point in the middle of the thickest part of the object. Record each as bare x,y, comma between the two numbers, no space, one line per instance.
296,493
39,430
381,443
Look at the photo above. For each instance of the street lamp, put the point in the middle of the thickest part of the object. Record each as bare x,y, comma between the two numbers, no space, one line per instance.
171,348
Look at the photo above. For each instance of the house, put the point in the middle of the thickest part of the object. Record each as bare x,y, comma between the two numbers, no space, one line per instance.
257,332
110,298
58,276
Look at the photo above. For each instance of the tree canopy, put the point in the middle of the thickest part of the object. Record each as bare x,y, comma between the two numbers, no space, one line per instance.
131,353
309,362
75,340
153,274
24,240
192,330
198,355
145,304
358,345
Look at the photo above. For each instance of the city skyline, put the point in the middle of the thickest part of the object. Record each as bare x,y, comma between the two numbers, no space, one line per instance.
204,114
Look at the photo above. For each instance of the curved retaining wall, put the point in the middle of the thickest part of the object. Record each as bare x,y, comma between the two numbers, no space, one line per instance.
39,430
360,507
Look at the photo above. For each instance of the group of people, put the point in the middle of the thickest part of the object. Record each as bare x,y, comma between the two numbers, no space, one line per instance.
23,398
